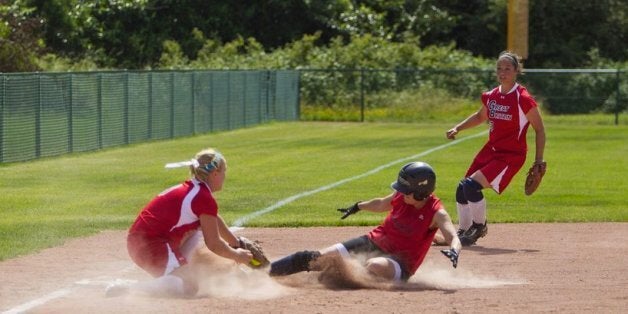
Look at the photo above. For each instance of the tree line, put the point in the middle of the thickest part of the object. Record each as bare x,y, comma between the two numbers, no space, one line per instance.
45,35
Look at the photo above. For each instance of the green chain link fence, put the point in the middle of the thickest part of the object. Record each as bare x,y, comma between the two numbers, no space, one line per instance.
48,114
561,91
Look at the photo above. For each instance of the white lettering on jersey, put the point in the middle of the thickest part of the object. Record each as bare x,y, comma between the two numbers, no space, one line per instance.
496,111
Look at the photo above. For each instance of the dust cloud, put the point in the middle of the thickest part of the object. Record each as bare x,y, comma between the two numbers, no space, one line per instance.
346,274
222,278
444,277
219,277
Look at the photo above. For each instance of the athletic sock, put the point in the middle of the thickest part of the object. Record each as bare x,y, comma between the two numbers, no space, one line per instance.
464,216
478,211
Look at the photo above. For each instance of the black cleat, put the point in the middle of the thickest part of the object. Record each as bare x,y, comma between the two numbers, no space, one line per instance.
471,236
460,232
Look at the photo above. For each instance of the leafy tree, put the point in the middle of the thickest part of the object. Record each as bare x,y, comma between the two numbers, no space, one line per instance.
132,33
63,25
172,56
19,42
476,26
562,33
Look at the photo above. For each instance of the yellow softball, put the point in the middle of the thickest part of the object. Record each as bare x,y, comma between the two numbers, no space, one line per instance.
255,262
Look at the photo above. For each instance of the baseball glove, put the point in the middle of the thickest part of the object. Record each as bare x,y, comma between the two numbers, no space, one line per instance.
259,258
534,177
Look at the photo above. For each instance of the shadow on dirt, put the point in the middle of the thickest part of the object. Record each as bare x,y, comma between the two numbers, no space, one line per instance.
496,251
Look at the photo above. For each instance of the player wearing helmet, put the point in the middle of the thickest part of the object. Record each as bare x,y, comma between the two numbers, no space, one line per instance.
396,248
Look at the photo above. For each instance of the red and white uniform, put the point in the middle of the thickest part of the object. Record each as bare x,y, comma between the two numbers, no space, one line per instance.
155,238
405,232
505,152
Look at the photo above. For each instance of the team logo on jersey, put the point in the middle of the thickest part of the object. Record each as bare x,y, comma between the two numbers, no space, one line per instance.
497,111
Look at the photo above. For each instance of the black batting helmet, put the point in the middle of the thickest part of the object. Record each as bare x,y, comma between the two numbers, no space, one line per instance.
417,178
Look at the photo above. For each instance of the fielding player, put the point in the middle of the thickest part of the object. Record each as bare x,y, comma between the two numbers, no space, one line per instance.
169,228
509,109
399,245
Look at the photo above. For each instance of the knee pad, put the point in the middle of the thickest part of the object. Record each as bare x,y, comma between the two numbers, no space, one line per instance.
460,198
472,190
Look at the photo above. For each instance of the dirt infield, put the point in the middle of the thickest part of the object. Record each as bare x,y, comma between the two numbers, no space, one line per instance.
574,268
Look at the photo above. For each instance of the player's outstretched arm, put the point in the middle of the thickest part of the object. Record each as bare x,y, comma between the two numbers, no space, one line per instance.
473,120
443,221
375,205
211,235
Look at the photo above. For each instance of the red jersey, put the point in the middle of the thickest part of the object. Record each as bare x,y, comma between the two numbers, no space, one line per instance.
405,232
507,118
175,212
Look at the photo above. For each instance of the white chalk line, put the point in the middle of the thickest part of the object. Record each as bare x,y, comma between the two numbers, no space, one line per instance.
37,302
237,225
243,220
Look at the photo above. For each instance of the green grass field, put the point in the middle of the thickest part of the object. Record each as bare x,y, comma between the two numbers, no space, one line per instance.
46,201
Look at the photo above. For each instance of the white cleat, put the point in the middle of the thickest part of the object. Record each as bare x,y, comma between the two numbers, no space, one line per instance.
117,288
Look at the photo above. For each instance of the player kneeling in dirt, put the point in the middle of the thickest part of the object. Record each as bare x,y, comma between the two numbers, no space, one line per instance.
398,246
169,229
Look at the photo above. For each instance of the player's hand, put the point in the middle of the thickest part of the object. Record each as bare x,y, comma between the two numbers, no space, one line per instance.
349,210
452,254
243,256
451,134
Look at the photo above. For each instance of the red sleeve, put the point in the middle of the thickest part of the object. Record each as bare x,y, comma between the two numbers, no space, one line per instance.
526,101
438,204
204,203
484,99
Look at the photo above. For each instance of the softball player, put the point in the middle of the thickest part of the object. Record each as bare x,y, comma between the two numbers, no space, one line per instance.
169,228
509,109
400,243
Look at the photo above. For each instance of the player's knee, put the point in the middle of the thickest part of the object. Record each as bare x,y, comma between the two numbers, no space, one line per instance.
472,190
380,267
460,198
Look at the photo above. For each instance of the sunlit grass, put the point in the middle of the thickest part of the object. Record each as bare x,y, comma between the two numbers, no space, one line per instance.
46,201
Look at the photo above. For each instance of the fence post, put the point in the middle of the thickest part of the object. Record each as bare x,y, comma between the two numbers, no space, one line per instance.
38,118
362,95
228,100
245,76
150,105
260,78
211,100
70,114
617,97
126,108
172,104
193,109
3,94
298,89
270,93
99,110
